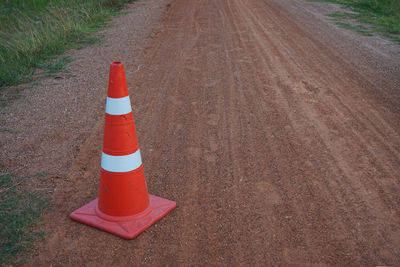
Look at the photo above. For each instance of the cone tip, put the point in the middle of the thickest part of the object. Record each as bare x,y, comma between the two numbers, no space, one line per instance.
116,66
117,83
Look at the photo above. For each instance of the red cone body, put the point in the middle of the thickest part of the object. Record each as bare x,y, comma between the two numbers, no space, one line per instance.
123,207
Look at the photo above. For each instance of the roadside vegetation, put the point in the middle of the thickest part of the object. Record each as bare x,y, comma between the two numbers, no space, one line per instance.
33,32
19,211
382,16
33,35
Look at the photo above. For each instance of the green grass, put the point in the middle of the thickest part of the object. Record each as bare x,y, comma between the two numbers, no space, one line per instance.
19,211
8,130
382,15
358,28
33,32
50,68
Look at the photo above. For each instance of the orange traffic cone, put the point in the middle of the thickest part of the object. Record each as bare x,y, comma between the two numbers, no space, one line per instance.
124,207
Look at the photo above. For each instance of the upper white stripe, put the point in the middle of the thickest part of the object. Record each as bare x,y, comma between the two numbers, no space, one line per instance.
118,106
125,163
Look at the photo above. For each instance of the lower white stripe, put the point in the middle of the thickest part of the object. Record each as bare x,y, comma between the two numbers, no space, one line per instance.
125,163
118,106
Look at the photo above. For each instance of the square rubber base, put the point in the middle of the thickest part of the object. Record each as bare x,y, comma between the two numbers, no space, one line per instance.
125,227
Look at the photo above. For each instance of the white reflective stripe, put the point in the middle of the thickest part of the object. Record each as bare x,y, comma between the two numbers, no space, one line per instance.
118,106
125,163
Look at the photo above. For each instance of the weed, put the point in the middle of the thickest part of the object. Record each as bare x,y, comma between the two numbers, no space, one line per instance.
8,130
339,15
52,67
7,95
358,28
383,15
19,211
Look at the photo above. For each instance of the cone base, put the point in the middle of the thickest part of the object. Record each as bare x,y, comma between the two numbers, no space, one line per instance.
125,227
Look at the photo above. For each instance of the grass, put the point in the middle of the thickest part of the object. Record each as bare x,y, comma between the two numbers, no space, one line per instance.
8,130
383,16
19,211
52,67
7,95
33,32
358,28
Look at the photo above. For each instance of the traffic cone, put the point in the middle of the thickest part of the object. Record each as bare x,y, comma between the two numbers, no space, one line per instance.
123,206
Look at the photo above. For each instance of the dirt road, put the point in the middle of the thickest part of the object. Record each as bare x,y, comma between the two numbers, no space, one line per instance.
277,148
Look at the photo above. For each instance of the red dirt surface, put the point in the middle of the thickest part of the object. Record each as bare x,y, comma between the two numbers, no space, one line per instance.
278,148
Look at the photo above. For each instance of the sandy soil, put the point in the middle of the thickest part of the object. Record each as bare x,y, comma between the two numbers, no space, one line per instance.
277,134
